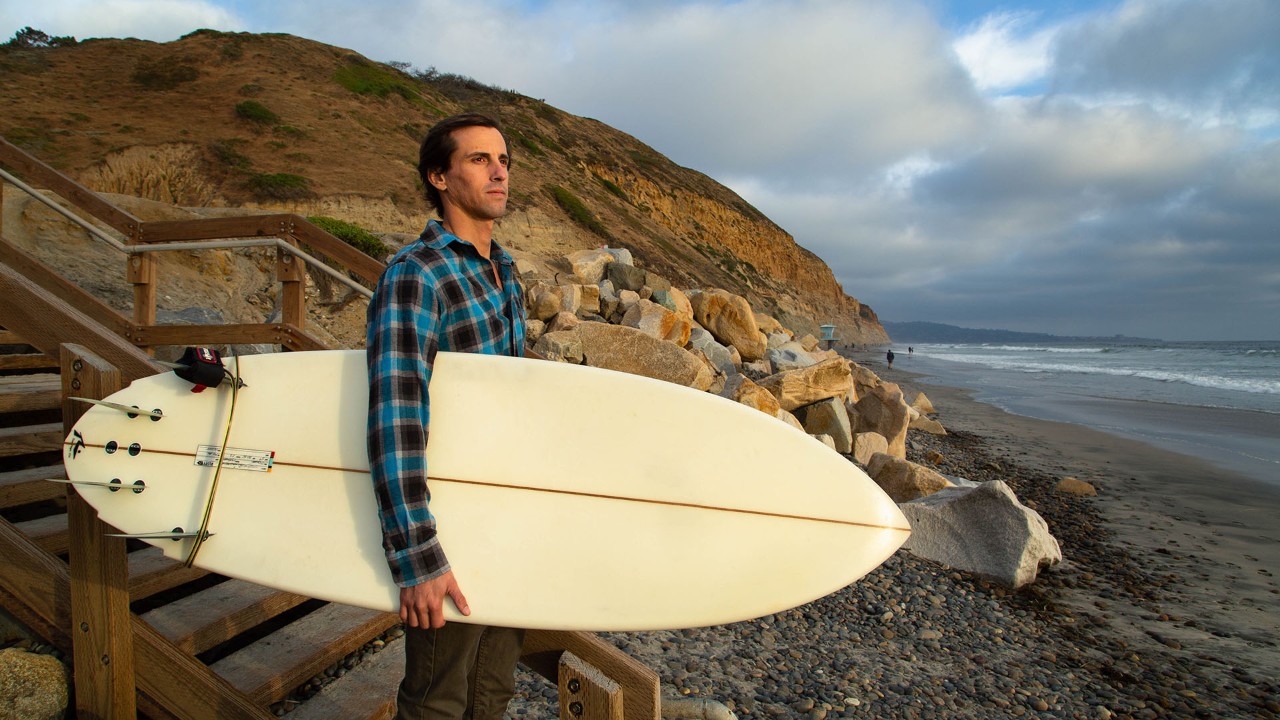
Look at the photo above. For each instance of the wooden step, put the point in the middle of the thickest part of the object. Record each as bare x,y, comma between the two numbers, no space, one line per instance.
271,668
26,393
9,337
20,487
150,572
28,439
50,532
210,617
368,692
27,361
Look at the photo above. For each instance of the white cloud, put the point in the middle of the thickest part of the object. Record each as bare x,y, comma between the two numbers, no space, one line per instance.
999,56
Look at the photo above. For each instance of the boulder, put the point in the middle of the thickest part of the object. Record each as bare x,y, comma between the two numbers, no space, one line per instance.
563,320
927,424
533,330
789,356
560,346
608,299
656,282
826,440
983,530
922,404
776,340
657,321
797,388
621,255
903,480
625,277
590,264
730,319
32,686
627,298
739,388
866,445
809,343
769,326
881,409
544,302
702,341
1076,486
828,417
625,349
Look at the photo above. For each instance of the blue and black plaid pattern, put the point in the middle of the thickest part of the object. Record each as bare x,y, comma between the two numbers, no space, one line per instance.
436,294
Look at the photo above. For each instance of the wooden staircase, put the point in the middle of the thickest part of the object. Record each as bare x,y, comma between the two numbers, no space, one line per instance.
147,636
264,643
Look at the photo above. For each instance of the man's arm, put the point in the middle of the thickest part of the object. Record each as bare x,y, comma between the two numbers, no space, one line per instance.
402,331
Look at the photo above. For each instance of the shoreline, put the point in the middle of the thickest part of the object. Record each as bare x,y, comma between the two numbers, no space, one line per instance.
1164,605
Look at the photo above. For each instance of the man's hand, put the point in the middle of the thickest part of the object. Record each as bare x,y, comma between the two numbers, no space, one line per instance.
422,605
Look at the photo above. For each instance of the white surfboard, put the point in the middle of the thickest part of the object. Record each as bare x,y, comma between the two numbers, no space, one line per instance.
589,500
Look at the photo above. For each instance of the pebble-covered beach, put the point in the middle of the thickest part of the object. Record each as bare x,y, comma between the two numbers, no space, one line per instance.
1103,635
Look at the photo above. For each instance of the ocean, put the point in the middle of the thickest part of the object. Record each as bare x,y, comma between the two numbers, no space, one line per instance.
1219,401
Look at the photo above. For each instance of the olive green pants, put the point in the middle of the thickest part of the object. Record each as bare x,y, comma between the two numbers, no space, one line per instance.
459,672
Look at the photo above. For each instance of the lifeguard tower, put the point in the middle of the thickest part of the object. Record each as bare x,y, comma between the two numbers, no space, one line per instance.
828,336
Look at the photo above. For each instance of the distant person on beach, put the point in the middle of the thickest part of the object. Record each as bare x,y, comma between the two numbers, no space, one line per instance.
452,290
889,356
911,350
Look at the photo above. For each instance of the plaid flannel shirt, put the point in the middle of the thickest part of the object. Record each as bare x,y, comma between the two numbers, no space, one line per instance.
436,294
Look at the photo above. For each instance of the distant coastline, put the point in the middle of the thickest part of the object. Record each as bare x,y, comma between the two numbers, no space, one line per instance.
931,332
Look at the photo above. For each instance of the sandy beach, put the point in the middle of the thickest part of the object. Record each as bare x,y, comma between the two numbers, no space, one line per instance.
1166,604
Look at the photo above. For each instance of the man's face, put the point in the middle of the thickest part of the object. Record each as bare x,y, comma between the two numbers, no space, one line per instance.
476,182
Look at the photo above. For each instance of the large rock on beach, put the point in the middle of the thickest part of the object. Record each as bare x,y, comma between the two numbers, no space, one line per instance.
789,356
590,264
32,686
560,346
805,386
927,424
866,445
740,389
629,350
984,530
657,321
881,409
903,480
719,355
730,319
828,417
625,277
922,404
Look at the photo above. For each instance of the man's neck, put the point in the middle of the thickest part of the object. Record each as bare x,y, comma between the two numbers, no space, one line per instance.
479,233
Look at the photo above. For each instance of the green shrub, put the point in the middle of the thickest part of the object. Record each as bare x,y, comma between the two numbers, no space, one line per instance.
254,111
279,186
364,78
28,38
577,211
352,234
228,153
612,187
164,74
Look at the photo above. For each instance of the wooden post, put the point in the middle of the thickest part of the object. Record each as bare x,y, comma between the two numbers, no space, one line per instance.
143,274
293,280
101,624
585,692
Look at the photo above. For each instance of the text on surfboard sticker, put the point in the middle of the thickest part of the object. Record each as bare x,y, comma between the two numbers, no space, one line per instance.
236,458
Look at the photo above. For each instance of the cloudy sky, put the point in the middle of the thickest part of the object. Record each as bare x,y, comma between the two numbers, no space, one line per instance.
1078,167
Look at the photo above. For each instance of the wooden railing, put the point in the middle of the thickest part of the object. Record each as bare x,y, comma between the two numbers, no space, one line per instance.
142,240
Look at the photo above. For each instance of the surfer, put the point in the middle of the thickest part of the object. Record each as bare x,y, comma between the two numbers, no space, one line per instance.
454,290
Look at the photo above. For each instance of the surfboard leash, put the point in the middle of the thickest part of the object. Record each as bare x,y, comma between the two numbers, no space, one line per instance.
203,533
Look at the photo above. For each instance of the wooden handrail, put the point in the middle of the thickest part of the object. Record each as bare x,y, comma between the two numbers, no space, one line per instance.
287,229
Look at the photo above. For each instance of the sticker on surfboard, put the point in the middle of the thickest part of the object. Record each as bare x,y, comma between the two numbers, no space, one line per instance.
236,458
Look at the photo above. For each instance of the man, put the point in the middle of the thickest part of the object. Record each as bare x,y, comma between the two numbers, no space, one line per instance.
453,289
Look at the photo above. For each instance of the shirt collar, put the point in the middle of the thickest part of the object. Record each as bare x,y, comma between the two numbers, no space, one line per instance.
436,237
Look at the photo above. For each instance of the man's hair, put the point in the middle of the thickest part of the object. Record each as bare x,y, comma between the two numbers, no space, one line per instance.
438,146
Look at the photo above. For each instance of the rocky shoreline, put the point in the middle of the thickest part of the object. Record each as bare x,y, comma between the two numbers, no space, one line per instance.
1093,638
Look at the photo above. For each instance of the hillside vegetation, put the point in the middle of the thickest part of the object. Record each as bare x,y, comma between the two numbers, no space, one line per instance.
279,122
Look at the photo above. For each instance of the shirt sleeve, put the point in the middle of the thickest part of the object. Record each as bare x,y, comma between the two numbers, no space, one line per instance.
402,339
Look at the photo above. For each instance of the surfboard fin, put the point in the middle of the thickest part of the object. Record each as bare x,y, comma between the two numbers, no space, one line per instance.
132,411
137,487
